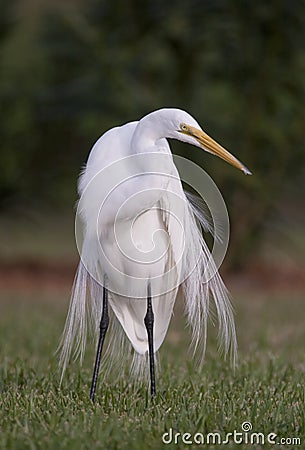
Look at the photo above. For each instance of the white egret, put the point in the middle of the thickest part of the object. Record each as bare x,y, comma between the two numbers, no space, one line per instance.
142,244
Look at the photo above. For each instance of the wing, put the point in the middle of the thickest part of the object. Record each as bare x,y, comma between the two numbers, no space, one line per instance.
196,270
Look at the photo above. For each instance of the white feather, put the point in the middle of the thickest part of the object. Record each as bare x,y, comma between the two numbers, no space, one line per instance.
157,213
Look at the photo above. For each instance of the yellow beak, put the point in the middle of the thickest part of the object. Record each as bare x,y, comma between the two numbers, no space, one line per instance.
213,147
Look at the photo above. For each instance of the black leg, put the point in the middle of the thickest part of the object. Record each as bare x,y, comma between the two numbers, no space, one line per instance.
103,328
149,324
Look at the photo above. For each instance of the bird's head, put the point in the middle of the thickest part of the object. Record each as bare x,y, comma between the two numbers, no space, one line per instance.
182,126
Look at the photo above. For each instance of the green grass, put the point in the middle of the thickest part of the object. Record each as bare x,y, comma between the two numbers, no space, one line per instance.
267,388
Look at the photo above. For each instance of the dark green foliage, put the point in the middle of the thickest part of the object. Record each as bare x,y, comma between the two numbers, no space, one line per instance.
71,70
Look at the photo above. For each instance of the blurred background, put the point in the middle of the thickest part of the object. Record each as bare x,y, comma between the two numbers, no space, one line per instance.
70,70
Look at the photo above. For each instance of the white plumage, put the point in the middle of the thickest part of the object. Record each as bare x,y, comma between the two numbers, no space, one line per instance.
138,226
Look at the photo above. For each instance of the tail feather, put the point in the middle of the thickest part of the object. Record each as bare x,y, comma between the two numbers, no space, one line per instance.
83,318
205,282
82,315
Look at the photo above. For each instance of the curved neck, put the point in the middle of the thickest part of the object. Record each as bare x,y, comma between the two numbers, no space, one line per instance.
148,131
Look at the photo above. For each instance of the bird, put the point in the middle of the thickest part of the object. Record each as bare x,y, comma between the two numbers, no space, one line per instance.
141,247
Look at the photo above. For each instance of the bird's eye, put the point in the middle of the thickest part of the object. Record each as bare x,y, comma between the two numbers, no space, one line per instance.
183,127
